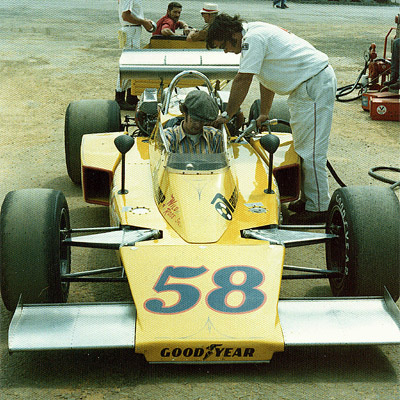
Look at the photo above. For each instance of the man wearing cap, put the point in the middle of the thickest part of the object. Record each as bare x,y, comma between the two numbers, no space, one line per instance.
288,65
167,25
192,136
132,19
208,12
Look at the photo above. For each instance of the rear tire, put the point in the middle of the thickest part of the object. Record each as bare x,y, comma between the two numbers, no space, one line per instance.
33,256
83,117
279,110
367,222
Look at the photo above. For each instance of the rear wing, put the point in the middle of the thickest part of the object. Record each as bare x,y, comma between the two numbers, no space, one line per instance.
149,67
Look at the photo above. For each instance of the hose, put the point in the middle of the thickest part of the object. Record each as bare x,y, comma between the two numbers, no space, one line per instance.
394,184
346,90
281,121
372,172
335,175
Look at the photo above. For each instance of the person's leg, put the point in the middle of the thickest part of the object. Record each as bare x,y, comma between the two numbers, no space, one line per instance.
395,67
133,34
311,109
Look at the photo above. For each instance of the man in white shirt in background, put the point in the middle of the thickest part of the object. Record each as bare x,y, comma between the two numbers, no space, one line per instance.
132,19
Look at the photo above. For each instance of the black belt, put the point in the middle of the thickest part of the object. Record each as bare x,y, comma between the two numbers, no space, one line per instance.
326,66
323,69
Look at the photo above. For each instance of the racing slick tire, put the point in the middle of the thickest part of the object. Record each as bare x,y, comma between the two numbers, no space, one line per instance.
366,251
32,254
83,117
279,110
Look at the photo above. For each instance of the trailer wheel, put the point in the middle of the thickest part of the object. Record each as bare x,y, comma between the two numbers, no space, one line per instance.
33,257
84,117
366,252
279,110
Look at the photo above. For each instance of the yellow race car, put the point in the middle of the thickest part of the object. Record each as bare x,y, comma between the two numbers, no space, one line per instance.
200,236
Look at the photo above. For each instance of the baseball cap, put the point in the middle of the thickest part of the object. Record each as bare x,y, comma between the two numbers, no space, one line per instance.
201,106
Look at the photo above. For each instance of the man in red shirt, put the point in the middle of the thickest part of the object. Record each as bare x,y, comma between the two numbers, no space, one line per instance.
167,25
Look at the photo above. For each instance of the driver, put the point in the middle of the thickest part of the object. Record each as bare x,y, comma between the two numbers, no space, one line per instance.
192,135
167,25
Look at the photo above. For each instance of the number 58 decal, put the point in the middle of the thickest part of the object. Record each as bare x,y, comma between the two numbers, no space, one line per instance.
216,299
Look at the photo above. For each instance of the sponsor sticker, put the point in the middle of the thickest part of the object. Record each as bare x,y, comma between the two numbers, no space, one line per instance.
381,110
213,350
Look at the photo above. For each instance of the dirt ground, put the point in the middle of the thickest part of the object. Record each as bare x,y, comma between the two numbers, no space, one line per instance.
67,50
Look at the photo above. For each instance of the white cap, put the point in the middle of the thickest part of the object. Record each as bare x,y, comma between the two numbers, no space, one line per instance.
209,8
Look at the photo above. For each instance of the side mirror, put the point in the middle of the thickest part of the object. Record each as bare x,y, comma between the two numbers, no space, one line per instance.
270,143
123,143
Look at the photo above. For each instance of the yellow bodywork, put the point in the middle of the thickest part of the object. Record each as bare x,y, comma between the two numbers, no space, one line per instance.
174,42
202,292
208,330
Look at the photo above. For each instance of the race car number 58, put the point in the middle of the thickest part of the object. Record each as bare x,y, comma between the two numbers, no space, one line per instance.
216,299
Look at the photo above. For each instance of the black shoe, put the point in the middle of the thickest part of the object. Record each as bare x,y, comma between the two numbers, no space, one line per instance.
395,86
123,105
388,83
308,218
285,6
297,206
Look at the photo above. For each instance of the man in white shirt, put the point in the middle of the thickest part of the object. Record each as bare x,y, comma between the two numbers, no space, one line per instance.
132,19
288,65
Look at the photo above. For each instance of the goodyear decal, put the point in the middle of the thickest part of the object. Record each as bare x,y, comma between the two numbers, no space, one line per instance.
214,350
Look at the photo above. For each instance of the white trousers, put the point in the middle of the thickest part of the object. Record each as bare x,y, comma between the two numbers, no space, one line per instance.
311,111
133,34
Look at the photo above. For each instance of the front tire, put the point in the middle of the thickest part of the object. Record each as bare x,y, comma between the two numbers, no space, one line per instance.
83,117
33,257
367,222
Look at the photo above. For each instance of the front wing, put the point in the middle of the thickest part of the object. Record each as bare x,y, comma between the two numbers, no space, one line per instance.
311,321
